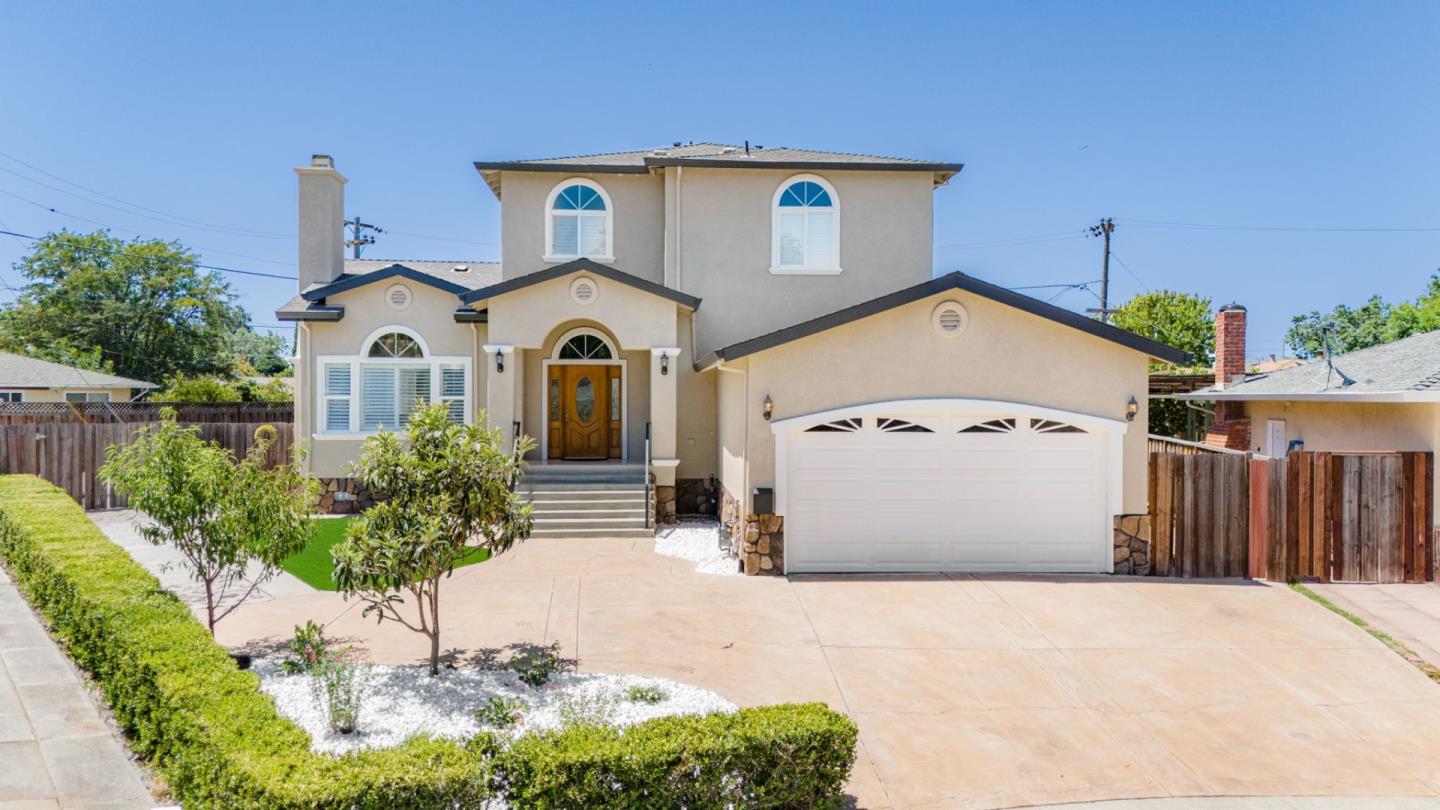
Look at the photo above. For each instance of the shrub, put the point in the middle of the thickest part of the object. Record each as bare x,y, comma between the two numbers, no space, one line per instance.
772,756
646,693
338,681
308,648
590,707
535,667
501,712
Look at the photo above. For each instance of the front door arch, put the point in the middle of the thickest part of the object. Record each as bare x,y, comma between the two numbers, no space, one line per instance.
584,400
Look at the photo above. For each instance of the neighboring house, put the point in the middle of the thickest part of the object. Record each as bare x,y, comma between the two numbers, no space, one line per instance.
25,379
762,326
1383,398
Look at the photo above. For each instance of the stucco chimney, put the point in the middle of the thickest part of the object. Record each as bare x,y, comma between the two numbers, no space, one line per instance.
322,221
1229,345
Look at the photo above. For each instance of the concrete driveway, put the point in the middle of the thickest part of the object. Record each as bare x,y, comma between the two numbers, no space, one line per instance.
969,691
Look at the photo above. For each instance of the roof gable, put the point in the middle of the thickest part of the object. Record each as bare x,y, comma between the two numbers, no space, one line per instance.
951,281
581,266
349,281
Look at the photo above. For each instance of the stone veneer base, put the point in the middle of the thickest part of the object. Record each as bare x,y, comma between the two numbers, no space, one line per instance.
344,496
1132,544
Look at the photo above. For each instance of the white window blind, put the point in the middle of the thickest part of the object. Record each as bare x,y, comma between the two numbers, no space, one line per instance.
452,391
377,398
566,241
792,240
819,239
414,389
337,397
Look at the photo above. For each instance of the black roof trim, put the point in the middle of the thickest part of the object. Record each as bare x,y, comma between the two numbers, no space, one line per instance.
817,165
577,266
313,313
468,315
349,281
951,281
522,166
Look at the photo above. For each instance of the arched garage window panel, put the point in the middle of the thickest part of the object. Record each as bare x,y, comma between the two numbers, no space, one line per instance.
837,426
992,426
806,227
1051,426
578,222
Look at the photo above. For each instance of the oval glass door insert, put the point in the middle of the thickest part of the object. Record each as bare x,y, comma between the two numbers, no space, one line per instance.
584,400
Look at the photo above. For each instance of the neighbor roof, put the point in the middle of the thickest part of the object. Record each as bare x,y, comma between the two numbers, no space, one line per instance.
1406,370
19,371
716,155
451,276
950,281
581,266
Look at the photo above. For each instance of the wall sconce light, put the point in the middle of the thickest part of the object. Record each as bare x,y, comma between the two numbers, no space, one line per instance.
1131,410
500,362
664,364
767,408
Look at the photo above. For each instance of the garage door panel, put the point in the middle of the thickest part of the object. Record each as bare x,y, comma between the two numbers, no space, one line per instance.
948,500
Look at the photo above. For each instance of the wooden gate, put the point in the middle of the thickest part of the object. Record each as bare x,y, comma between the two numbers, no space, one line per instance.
1201,515
1345,517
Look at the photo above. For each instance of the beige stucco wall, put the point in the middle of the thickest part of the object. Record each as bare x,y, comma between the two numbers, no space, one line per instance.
731,396
725,248
637,210
695,429
58,394
527,317
430,315
1005,354
1353,427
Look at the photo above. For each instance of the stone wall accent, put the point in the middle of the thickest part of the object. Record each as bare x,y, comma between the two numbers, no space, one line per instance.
1132,544
695,496
763,547
664,505
732,523
344,496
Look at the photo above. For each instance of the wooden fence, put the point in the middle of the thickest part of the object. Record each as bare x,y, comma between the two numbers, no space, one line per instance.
1201,515
1352,517
28,413
68,454
1169,444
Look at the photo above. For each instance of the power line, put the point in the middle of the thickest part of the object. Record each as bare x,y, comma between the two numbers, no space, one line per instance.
136,257
178,219
1117,258
1053,286
1152,223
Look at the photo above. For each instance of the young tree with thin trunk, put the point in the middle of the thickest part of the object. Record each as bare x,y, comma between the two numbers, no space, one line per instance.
233,520
447,494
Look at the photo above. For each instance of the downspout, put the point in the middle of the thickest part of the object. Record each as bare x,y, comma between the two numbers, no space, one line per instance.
679,186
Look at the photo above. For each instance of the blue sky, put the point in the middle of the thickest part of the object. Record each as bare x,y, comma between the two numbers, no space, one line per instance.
1237,114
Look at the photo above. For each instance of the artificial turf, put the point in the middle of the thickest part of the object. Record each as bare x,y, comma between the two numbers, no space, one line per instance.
313,565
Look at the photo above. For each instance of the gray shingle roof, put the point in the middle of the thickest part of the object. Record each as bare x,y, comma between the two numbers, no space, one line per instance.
19,371
1408,365
475,276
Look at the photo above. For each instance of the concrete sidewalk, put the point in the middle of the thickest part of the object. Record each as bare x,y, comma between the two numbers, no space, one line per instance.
1260,803
1409,613
55,749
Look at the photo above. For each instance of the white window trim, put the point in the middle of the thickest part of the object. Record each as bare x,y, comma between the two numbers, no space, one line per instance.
356,361
576,332
17,392
549,214
88,392
793,270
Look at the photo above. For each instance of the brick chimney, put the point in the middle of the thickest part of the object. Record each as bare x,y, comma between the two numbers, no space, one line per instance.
1230,428
322,222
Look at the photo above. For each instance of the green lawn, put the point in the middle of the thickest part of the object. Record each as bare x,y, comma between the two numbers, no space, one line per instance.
313,565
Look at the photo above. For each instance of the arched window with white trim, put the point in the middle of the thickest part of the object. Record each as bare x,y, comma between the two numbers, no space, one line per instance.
382,386
579,222
805,227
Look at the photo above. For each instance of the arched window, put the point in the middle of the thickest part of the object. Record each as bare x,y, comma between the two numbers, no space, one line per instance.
806,227
585,346
577,222
396,344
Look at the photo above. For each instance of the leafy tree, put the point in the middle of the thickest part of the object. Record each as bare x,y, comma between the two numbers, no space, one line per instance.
265,353
206,388
1423,315
233,520
144,305
1178,319
1348,329
448,491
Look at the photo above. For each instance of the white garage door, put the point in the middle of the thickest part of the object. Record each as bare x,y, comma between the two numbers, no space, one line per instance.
946,492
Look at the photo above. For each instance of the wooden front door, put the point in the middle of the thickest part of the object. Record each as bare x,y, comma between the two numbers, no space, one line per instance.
585,412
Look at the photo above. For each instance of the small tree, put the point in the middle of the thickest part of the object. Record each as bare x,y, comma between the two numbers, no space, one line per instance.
233,520
447,492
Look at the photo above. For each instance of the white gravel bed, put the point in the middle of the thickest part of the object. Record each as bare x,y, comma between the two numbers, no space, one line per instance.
402,701
699,542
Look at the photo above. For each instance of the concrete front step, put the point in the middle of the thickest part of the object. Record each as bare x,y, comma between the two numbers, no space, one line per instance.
606,531
635,513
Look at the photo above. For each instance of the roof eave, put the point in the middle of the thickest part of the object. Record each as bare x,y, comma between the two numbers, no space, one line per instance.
579,266
312,313
818,165
1313,396
397,270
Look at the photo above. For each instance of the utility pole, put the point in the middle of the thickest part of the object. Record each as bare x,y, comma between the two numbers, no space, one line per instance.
1104,229
358,236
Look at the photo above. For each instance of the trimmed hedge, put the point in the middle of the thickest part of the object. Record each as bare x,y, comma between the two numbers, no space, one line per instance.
789,755
219,742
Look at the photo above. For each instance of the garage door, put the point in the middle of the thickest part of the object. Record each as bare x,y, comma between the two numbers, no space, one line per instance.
946,492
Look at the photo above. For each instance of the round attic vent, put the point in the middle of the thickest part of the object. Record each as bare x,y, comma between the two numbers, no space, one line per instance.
583,290
398,296
949,318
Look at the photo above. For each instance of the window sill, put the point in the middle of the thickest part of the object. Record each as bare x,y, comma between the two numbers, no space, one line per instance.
805,271
562,259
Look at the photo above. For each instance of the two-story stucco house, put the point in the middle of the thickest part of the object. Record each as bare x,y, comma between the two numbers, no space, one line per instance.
754,328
